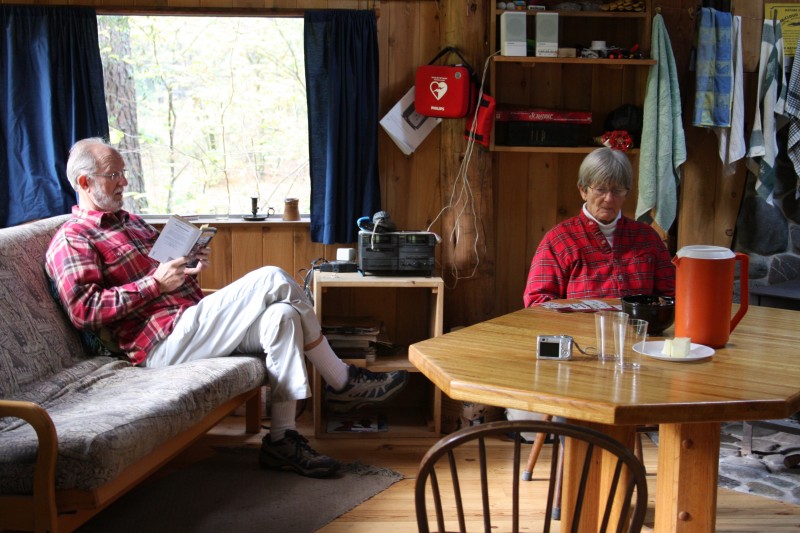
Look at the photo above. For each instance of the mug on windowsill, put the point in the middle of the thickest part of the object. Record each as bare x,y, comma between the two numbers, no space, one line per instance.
290,209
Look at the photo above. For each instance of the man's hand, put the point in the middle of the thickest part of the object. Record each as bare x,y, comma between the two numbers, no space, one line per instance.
171,274
203,260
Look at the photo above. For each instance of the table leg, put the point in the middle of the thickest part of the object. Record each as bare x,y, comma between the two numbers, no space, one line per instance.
686,485
600,477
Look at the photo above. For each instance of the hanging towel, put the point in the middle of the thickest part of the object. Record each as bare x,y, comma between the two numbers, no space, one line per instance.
714,87
732,146
793,113
663,147
769,110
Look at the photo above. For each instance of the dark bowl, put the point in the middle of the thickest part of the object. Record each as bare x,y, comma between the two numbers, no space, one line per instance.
659,311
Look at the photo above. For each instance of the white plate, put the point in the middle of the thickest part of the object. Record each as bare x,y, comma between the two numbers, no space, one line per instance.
653,349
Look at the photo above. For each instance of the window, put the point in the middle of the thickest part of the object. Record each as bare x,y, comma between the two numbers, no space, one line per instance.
207,111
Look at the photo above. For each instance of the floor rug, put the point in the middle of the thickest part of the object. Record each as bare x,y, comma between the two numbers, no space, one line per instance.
229,492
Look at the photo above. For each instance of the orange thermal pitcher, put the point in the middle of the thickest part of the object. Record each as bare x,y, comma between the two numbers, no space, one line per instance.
704,293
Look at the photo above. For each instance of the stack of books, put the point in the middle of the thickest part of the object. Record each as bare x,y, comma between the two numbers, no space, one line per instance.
353,338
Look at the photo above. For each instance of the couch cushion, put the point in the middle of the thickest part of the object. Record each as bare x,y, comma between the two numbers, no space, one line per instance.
115,413
36,338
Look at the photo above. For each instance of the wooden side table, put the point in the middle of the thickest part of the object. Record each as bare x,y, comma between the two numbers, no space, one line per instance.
326,283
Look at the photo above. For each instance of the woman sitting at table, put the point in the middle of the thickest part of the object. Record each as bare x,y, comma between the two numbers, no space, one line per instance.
600,253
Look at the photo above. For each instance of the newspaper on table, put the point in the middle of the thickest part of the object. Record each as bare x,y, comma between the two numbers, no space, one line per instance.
584,306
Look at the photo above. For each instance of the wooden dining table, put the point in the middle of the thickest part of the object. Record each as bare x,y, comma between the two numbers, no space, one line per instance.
755,376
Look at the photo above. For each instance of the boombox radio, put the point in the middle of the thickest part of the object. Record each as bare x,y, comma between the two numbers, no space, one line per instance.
398,252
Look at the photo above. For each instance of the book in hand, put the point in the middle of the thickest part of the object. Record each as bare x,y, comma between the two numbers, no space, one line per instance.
181,238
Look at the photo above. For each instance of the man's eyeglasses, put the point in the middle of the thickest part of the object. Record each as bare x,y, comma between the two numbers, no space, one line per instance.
616,193
113,176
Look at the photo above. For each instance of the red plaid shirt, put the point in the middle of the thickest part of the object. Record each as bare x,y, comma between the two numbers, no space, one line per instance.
105,278
574,260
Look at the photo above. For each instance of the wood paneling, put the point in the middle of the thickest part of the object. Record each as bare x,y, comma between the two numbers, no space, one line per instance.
515,201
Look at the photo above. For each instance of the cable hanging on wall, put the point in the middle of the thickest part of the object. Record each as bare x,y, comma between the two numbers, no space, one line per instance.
462,197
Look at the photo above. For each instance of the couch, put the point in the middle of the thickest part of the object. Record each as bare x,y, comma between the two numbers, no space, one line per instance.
79,427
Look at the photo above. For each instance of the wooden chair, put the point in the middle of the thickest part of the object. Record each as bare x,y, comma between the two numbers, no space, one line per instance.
536,449
502,500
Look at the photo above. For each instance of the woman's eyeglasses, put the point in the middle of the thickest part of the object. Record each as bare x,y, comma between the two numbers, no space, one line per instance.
113,176
616,193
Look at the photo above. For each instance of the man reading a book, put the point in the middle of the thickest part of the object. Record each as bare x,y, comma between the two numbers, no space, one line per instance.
158,315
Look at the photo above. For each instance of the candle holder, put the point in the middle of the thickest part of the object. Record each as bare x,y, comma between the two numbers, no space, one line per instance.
254,210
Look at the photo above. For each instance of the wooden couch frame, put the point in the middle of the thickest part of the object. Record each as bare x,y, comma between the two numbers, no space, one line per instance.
63,511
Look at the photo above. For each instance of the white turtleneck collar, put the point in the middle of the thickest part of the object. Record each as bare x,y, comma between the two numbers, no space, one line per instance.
607,229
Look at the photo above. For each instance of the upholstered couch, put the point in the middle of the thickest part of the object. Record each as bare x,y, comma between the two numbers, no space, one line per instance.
78,429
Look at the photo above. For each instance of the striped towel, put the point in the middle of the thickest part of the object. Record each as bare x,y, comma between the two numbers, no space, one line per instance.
714,87
732,146
793,112
663,146
769,116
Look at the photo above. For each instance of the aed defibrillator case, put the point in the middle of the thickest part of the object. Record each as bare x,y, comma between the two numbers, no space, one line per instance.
446,91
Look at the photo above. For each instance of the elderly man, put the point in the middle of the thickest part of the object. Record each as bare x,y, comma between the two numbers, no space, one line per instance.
158,315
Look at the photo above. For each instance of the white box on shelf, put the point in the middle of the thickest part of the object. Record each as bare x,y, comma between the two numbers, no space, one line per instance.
547,35
514,33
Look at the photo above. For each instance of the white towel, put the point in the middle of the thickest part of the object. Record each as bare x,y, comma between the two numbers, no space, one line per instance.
769,111
732,145
663,146
793,112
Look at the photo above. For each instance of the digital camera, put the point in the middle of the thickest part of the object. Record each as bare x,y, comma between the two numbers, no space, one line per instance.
554,347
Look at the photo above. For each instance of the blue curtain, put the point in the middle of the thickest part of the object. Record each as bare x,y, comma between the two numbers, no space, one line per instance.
51,81
341,57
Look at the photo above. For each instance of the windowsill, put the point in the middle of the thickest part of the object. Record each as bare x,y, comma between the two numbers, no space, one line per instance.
231,221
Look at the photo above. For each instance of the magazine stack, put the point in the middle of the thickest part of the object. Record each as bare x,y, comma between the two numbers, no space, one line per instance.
353,338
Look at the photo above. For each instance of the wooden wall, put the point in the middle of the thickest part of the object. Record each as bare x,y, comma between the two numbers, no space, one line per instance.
486,278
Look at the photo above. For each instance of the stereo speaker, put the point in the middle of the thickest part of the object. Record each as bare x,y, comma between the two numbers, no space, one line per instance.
514,33
546,34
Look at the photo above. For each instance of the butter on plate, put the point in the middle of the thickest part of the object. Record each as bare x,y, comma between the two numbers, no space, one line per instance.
677,347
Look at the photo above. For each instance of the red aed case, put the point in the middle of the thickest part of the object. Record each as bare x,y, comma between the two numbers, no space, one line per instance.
447,91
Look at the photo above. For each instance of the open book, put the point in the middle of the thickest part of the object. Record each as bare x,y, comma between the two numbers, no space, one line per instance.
181,238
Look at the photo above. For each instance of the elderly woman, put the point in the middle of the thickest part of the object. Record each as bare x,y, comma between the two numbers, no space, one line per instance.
600,253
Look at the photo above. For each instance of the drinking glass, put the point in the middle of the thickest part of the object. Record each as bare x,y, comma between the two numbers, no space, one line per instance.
610,329
636,335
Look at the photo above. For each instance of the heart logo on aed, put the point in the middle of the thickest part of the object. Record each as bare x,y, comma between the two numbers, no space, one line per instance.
438,88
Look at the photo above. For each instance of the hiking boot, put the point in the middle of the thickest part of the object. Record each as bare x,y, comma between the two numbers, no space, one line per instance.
293,452
365,387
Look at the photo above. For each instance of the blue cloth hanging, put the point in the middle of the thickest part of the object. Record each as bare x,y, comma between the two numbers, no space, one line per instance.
713,67
52,87
341,55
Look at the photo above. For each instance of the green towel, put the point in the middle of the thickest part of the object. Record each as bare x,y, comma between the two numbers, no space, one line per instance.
663,148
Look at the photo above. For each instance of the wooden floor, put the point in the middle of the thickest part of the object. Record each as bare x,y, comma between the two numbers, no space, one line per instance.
393,510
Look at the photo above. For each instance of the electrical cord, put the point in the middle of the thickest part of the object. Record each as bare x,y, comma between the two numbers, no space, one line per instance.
309,275
465,194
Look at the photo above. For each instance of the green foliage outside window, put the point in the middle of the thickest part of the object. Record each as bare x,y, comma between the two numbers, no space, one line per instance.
207,111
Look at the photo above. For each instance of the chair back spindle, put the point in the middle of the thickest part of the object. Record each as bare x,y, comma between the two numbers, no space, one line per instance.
621,500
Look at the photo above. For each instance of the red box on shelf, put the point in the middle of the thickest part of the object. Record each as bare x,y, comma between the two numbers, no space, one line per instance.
536,114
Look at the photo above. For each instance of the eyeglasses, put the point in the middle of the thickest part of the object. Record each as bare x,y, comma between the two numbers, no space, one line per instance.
113,176
616,193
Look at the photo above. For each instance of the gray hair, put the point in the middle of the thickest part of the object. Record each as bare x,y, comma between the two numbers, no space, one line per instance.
82,159
606,167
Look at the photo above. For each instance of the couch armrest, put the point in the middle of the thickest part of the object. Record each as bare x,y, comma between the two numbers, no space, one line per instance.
41,512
